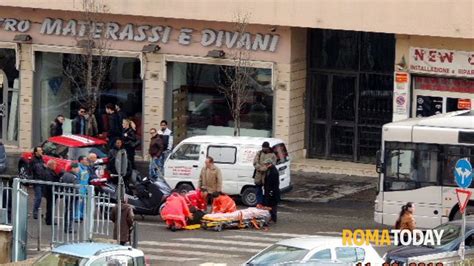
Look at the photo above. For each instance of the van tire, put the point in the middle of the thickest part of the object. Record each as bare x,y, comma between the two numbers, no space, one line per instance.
249,196
184,187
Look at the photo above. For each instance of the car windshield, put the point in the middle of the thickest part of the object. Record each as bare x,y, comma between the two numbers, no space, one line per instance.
451,232
74,153
279,254
52,258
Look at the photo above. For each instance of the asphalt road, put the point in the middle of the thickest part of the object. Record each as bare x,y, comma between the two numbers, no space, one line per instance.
234,247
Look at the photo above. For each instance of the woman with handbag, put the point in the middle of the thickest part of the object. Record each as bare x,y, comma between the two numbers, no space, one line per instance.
130,139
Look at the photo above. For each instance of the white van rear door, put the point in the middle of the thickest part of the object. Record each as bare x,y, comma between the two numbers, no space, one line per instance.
283,165
184,164
225,157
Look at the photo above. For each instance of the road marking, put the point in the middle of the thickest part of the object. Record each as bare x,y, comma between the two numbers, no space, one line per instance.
257,238
200,246
167,258
187,252
275,234
218,241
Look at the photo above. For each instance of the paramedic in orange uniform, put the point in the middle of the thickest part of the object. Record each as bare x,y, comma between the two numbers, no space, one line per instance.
176,211
222,203
197,198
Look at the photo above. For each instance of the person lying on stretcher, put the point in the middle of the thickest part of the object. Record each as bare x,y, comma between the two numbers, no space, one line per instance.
176,211
222,203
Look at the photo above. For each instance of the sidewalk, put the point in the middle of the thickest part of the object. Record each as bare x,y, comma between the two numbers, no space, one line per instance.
333,167
323,187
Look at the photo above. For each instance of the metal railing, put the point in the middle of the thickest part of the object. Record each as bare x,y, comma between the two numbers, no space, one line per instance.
76,212
5,202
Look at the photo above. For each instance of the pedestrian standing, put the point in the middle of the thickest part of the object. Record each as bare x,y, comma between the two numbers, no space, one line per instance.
70,177
92,129
92,167
119,149
38,171
167,139
78,124
120,113
50,176
271,186
126,222
155,151
210,178
114,124
405,220
84,182
56,127
130,140
260,168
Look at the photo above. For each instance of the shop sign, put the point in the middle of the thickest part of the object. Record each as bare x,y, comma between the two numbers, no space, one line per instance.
140,33
444,84
442,62
401,91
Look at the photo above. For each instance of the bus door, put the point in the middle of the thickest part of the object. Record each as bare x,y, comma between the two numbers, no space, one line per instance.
411,175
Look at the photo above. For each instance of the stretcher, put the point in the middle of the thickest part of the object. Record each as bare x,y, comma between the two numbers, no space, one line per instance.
240,219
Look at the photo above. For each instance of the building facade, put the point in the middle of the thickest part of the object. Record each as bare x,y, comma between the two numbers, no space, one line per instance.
324,81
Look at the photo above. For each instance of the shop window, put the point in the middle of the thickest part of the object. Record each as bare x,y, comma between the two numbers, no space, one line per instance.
334,49
377,52
199,105
61,90
9,96
428,106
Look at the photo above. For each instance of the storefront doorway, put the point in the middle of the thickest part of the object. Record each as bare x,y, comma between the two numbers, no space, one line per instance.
349,93
9,97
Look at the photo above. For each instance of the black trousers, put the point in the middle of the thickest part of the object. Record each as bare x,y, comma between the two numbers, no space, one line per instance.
48,194
273,212
69,210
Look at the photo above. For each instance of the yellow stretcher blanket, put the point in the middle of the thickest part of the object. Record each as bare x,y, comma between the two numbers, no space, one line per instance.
249,213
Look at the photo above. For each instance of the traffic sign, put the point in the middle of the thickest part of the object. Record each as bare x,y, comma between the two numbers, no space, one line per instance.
463,198
463,173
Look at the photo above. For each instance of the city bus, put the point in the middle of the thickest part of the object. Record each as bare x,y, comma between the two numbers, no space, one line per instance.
416,164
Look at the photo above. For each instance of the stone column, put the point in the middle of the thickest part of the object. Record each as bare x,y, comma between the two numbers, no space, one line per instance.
25,116
153,96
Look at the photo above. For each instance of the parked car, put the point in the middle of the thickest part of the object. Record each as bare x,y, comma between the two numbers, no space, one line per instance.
65,150
3,158
315,250
233,155
87,254
448,249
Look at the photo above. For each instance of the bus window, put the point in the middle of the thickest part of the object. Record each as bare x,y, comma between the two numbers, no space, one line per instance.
410,167
452,155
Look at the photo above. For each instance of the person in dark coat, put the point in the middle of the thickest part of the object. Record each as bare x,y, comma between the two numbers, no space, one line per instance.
272,188
114,124
79,123
56,127
126,221
155,151
70,203
51,176
38,171
118,148
130,140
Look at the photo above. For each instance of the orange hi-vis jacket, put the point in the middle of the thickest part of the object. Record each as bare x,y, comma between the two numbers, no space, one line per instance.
223,204
175,209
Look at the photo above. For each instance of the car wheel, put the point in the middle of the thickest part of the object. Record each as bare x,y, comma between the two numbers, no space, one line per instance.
184,187
249,196
23,171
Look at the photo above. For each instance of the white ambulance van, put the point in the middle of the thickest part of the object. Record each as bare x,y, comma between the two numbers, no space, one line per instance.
233,155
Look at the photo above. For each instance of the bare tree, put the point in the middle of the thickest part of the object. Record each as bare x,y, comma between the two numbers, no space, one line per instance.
236,78
88,70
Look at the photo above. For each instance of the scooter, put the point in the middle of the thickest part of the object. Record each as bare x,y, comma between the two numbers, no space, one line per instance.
149,197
